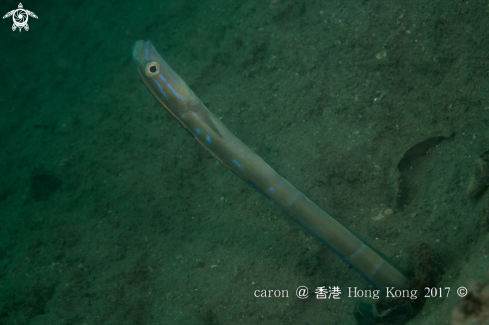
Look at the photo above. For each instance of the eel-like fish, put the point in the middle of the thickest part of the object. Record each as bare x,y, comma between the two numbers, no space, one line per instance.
174,94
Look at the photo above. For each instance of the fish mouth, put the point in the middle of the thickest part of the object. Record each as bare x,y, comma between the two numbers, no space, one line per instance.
139,52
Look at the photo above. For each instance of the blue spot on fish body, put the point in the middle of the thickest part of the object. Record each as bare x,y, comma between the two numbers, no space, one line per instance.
208,138
183,116
293,199
161,88
378,267
271,189
171,88
237,163
358,251
197,130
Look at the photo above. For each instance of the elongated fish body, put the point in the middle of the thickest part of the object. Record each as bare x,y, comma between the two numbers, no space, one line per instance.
174,94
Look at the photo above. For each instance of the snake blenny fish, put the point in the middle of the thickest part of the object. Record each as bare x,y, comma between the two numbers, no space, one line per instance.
174,94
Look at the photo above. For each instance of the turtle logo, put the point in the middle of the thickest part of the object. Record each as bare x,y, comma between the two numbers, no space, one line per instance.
20,17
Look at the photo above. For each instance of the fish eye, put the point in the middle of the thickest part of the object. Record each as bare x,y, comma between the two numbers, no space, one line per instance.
152,69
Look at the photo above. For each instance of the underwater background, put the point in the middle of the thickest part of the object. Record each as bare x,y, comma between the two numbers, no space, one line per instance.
110,213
